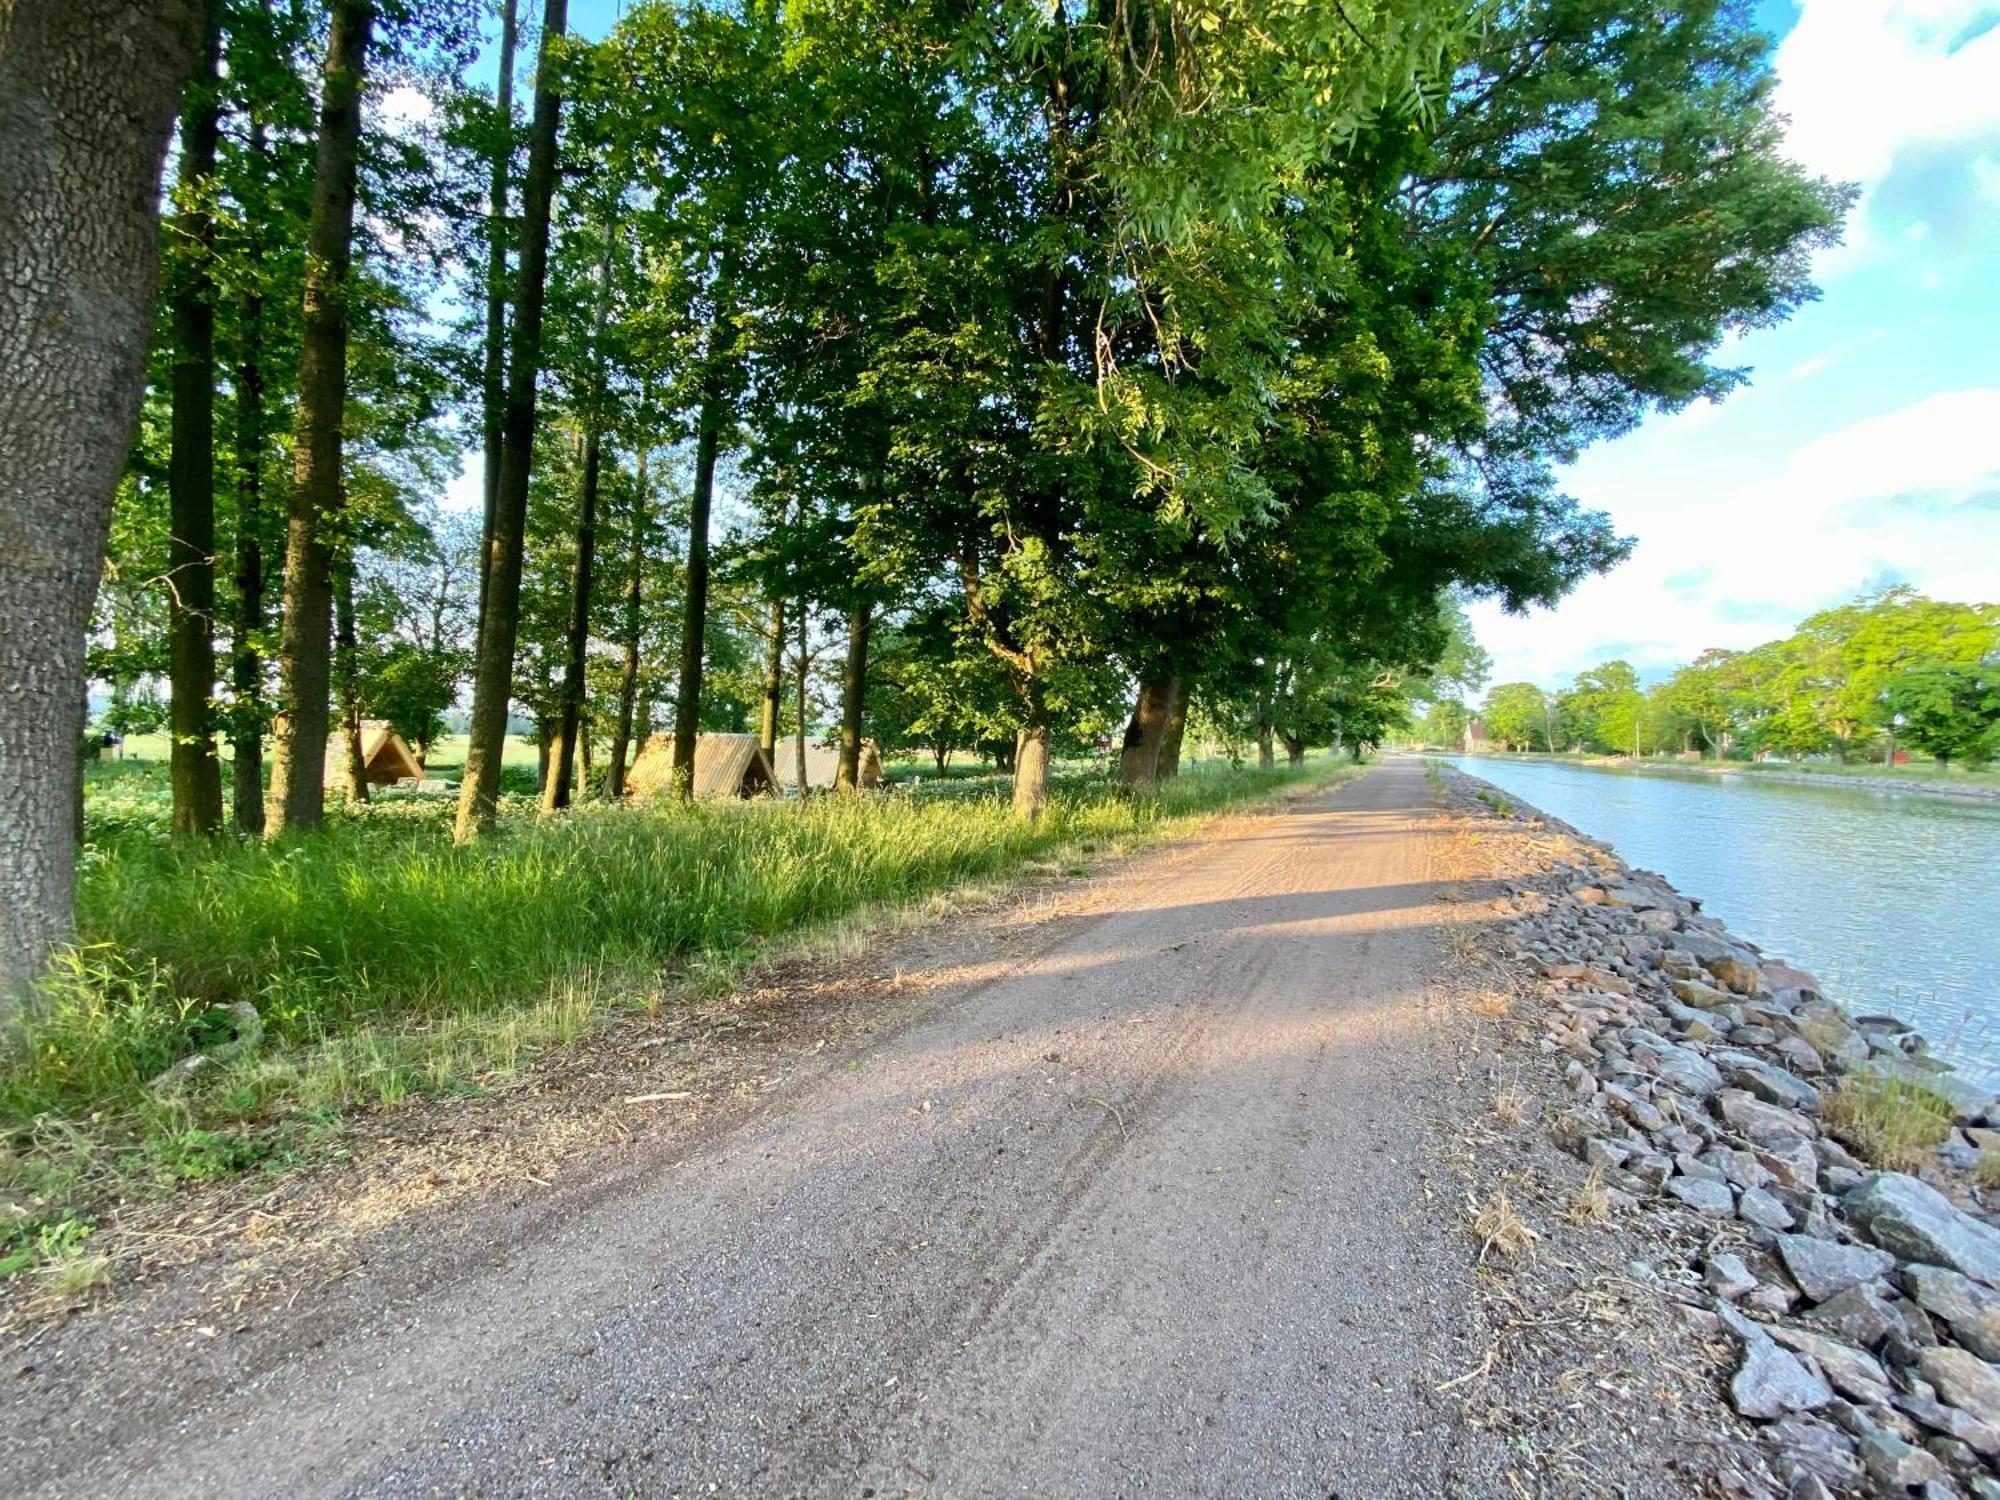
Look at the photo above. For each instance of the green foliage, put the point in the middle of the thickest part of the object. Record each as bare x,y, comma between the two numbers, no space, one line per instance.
1950,712
1520,716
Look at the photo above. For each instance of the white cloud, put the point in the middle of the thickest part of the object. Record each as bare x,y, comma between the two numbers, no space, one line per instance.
1874,87
1805,369
1945,448
1740,560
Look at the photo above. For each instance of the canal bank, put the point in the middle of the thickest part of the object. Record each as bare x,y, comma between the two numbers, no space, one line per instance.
1893,901
1714,1093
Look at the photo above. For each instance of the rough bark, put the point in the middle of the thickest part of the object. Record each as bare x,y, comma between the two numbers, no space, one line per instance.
854,696
246,645
628,677
493,384
804,673
1139,758
88,90
576,639
298,769
774,683
694,616
1031,769
1265,692
1170,741
1295,748
345,646
500,618
194,770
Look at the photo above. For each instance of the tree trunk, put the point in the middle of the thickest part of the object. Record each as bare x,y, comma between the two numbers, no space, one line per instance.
246,645
88,90
853,697
345,646
493,385
1295,749
941,758
774,684
805,673
1170,737
1139,759
195,772
1266,690
298,770
628,680
500,618
694,616
576,644
1031,769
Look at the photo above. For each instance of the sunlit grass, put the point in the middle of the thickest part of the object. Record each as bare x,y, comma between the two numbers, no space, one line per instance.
386,964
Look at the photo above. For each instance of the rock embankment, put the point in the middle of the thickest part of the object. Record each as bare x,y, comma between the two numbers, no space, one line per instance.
1863,1305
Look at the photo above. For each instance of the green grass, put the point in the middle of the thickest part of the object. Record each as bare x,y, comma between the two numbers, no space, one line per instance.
384,963
1892,1122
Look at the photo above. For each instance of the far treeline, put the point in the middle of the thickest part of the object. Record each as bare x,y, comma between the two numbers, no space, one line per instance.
1058,368
1890,671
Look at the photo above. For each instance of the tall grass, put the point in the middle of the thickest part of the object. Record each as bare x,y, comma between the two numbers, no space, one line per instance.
383,961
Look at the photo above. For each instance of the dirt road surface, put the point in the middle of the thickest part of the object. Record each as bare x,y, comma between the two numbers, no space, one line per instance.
1142,1216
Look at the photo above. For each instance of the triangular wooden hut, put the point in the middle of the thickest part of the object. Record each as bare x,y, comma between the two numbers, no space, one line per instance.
386,756
823,765
725,765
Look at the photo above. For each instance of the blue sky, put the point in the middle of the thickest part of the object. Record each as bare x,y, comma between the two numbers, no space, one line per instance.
1867,446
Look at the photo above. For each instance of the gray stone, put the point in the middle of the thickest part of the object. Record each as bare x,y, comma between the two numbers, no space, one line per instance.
1758,1207
1728,1277
1777,976
1738,1168
1799,1055
1895,1465
1793,1163
1958,1425
1763,1124
1916,1222
1972,1311
1706,1196
1817,1448
1860,1316
1856,1375
1772,1083
1680,1067
1824,1269
1771,1299
1770,1381
1695,1166
1599,1152
1964,1380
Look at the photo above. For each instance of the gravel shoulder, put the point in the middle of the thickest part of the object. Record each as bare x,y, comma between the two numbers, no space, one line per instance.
1167,1188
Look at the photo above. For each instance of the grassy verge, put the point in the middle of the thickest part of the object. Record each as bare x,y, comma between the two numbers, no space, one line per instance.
383,964
1893,1123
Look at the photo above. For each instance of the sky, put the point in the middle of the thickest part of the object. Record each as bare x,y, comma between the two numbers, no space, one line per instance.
1866,448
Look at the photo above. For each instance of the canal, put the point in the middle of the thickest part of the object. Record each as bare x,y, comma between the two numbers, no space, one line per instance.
1893,899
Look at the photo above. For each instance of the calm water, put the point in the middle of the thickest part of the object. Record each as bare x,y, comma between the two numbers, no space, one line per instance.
1892,899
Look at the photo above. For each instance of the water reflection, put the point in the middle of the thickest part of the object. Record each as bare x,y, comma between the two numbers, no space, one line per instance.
1892,899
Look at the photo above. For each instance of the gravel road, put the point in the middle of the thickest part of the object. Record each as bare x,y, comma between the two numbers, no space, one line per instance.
1141,1216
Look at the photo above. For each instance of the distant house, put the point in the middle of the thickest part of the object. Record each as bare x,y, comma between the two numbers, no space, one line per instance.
725,765
823,765
1475,737
386,758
